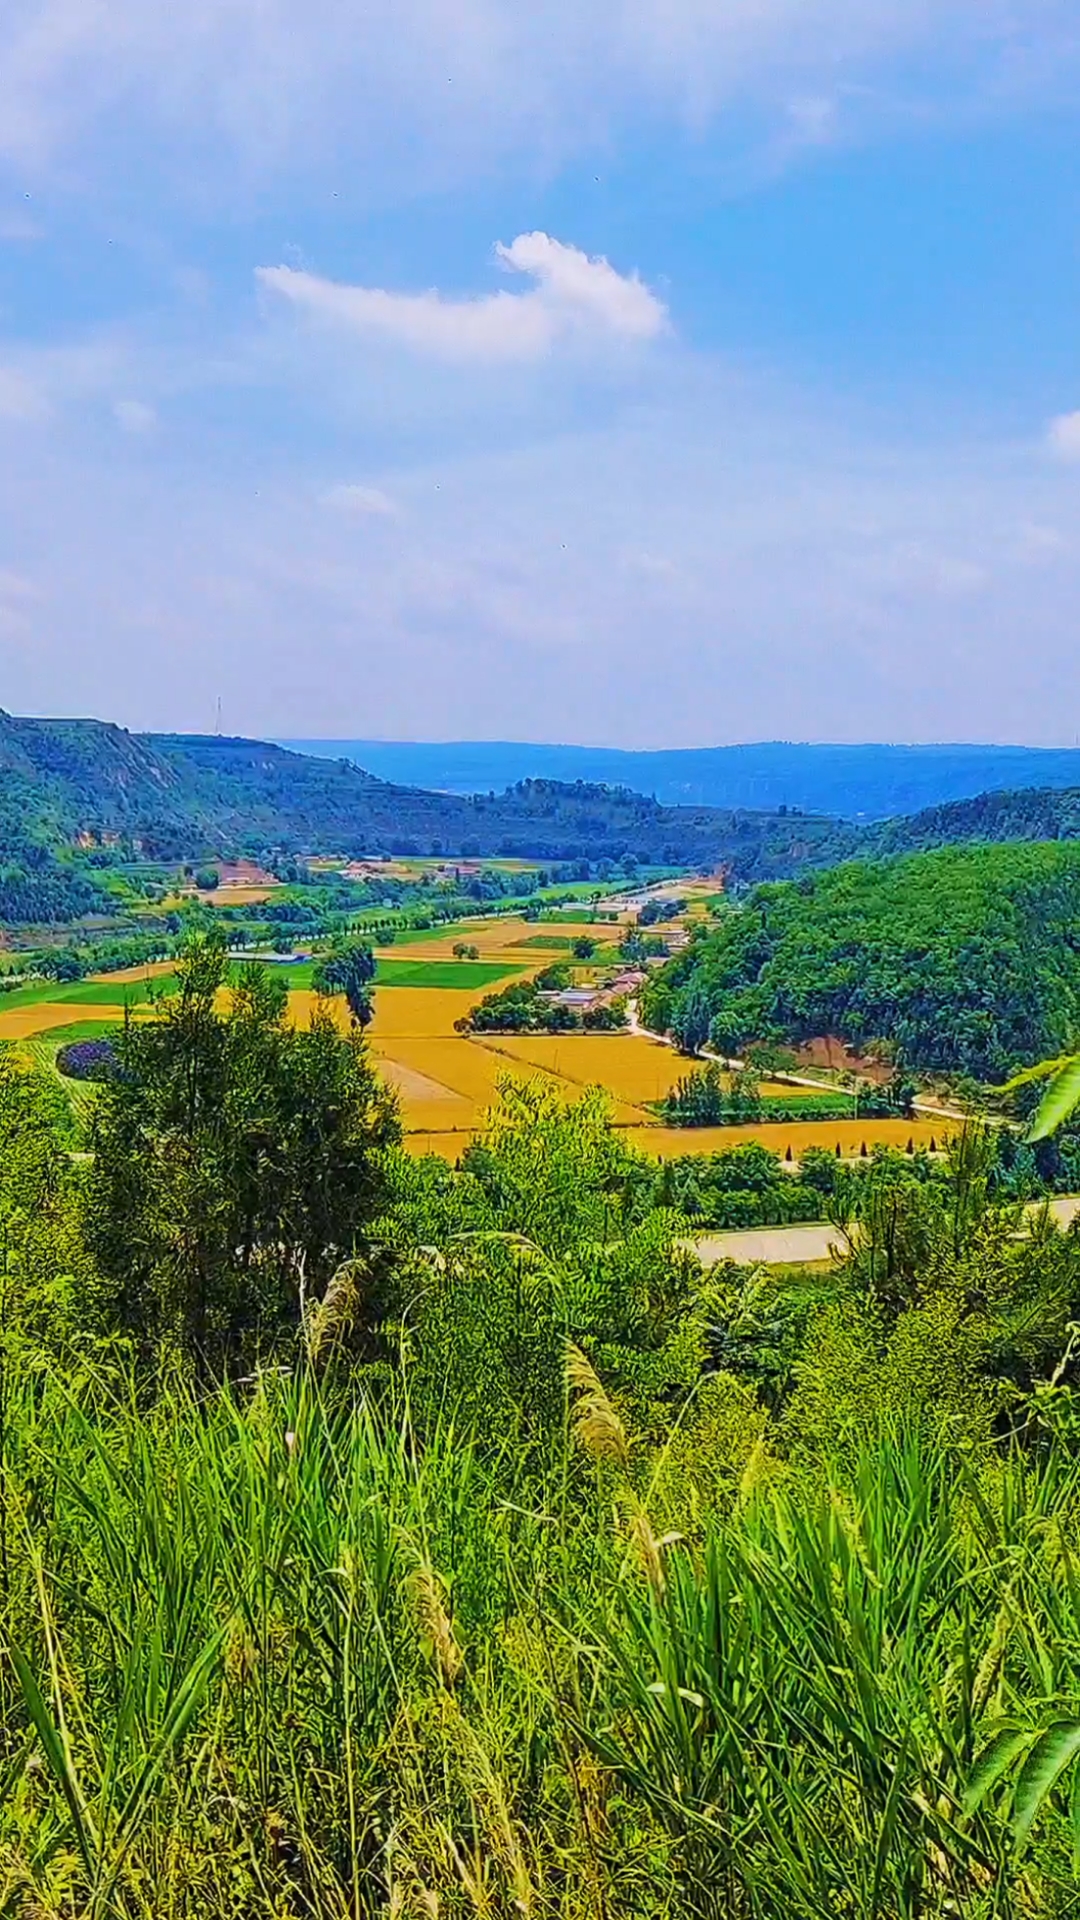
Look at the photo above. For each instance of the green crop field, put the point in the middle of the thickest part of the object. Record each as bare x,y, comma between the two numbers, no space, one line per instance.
56,1037
42,1051
299,977
442,973
84,993
102,993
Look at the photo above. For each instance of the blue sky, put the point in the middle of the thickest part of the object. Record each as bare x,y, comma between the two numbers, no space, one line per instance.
635,374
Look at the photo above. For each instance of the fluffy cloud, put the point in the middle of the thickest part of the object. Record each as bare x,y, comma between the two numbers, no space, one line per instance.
574,297
1063,436
729,562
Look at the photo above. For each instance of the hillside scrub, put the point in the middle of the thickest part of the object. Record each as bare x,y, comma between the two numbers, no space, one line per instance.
966,959
509,1563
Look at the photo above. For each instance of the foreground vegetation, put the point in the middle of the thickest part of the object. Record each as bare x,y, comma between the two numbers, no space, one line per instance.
380,1539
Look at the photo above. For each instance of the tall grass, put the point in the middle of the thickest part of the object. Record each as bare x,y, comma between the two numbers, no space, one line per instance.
271,1656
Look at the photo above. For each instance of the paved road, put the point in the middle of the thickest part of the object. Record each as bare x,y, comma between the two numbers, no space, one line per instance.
796,1246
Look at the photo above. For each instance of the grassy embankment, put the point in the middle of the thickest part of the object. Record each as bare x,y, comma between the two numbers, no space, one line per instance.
276,1660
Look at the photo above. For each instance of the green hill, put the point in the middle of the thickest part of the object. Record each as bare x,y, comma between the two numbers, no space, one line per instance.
183,795
190,797
967,958
1039,813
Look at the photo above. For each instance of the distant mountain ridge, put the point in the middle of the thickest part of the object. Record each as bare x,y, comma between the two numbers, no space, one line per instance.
185,796
870,782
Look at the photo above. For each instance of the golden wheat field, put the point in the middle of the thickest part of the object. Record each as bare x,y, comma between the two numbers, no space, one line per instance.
497,939
417,1013
849,1135
22,1023
492,937
634,1067
446,1081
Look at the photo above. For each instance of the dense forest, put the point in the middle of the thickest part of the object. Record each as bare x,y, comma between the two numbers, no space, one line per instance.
37,887
967,960
1022,814
379,1538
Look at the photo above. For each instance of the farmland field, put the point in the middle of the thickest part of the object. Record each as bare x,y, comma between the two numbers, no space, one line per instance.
633,1067
477,974
851,1136
20,1023
41,1053
446,1081
497,938
100,993
151,970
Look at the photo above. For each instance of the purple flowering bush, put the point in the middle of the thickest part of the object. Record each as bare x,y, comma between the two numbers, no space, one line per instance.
88,1060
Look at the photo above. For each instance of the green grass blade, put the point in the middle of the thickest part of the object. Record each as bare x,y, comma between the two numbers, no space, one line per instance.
1061,1099
993,1763
58,1756
1047,1761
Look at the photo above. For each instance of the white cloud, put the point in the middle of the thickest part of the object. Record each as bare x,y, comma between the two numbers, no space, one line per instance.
734,560
411,87
1063,436
575,296
360,500
134,416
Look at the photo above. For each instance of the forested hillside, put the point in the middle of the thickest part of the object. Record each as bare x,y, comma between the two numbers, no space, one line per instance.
967,959
184,795
178,796
1022,814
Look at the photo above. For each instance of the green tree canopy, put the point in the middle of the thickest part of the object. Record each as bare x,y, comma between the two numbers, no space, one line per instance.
349,969
237,1161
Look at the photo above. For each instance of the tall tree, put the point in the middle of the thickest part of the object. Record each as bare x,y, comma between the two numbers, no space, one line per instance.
237,1161
350,970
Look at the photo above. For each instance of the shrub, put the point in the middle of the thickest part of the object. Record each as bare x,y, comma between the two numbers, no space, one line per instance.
88,1060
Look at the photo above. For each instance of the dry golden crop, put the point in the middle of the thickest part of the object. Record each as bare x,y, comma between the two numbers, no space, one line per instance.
417,1013
851,1136
18,1023
635,1068
125,976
